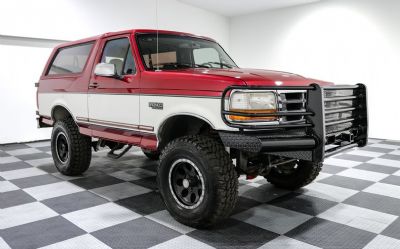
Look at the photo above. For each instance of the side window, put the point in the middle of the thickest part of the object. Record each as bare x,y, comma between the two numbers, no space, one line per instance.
205,55
70,60
119,53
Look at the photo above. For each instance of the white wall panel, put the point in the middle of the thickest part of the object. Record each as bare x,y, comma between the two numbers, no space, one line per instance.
33,22
20,69
344,41
75,19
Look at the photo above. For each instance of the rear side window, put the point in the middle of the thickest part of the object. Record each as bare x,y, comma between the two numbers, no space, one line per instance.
70,59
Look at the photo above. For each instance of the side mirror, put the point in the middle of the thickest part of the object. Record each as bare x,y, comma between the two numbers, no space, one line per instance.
105,69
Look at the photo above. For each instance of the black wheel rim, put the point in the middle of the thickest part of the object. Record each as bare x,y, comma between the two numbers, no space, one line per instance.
62,148
186,183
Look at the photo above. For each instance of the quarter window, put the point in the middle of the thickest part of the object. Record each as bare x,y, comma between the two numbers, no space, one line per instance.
119,53
70,60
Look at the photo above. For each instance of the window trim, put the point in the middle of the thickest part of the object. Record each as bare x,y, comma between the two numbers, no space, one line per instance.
70,74
104,44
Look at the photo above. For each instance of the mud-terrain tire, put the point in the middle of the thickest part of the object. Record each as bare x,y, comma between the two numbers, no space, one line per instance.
204,164
152,155
71,150
302,175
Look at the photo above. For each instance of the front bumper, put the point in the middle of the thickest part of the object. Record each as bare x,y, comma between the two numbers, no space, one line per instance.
335,119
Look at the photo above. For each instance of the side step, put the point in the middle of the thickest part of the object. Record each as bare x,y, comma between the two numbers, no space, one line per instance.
112,155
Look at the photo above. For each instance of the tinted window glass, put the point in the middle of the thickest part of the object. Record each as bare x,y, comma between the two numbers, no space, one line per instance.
205,55
70,59
129,67
118,52
172,52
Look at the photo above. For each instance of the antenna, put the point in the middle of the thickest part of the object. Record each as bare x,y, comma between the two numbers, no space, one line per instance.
158,65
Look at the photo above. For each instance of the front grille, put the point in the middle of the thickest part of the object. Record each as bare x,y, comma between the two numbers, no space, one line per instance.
292,101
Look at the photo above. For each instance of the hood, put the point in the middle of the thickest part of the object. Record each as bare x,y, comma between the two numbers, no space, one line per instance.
216,80
254,77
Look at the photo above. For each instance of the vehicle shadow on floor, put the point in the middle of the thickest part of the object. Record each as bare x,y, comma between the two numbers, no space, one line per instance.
262,213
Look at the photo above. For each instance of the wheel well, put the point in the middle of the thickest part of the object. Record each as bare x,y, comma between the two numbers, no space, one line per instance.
183,125
60,113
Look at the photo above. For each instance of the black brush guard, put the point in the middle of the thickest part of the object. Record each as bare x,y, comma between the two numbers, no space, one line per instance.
334,119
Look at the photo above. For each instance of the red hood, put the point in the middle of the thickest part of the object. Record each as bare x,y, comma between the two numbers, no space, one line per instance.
262,77
217,80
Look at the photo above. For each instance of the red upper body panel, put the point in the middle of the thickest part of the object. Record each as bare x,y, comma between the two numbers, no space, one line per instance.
199,81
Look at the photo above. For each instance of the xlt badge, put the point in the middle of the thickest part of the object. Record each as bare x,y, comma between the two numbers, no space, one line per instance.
156,105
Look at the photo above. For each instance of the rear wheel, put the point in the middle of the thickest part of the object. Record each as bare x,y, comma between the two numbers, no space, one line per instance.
152,155
294,175
197,181
71,150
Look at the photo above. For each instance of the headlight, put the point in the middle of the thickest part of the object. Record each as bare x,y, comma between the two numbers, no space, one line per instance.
253,102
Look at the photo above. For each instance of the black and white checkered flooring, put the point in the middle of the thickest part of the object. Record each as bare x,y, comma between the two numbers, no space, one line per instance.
354,203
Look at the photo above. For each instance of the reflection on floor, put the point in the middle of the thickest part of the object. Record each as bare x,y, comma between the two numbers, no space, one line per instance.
355,203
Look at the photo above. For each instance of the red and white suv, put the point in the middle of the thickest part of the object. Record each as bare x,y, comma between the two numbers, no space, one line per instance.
183,100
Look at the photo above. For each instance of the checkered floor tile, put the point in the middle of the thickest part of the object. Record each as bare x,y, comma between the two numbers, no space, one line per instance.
354,203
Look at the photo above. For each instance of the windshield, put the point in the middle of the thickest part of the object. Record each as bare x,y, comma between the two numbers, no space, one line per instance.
181,52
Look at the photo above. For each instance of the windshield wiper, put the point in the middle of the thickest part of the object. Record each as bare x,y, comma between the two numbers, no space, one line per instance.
219,63
183,65
195,65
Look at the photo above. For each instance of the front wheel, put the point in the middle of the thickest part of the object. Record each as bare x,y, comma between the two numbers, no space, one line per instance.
71,150
197,181
294,175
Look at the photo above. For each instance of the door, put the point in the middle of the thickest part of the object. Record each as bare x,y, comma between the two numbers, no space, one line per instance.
113,102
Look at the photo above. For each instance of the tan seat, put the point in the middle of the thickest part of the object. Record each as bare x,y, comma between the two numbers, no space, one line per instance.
118,65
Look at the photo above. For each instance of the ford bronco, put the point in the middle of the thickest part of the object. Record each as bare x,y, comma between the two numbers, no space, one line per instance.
184,102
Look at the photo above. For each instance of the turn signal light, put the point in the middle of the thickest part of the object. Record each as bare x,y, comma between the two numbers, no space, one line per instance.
243,118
